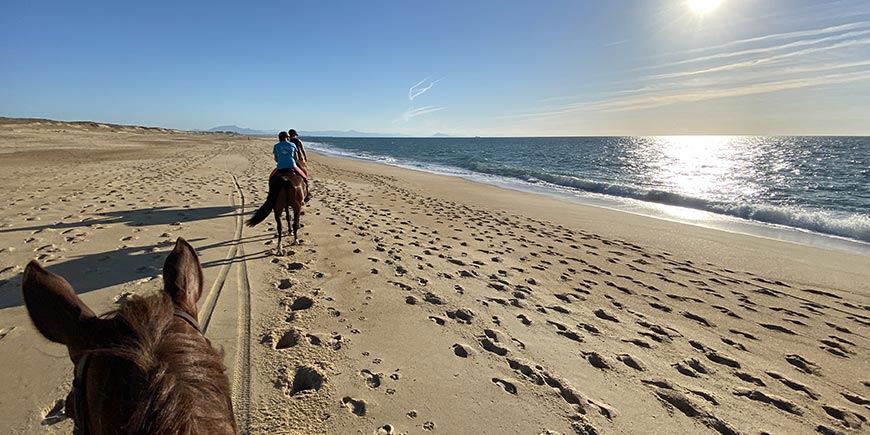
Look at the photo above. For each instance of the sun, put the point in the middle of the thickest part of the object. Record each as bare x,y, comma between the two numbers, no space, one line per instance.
703,7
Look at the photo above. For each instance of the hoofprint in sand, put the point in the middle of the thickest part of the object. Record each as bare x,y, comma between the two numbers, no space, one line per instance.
420,303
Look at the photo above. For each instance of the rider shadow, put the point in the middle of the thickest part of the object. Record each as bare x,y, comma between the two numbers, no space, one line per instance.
163,215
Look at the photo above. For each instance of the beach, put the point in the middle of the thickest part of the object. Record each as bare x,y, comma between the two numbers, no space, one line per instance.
420,303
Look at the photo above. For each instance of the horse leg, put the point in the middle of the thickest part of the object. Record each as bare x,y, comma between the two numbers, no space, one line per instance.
290,223
279,252
297,208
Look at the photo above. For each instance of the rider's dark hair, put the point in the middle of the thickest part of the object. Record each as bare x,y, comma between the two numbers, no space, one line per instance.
282,136
292,133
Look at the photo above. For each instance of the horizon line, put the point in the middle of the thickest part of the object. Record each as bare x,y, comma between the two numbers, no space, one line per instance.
438,135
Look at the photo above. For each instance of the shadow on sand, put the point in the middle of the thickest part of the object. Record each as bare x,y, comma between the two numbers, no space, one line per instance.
139,218
99,270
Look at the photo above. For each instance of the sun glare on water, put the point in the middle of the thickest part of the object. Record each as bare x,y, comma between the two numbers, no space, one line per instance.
703,7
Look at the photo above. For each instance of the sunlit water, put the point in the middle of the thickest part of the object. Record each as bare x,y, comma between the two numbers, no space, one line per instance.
811,184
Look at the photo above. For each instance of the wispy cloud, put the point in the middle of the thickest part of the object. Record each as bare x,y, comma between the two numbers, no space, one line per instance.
770,49
754,62
615,43
421,88
664,99
778,37
415,91
415,112
809,58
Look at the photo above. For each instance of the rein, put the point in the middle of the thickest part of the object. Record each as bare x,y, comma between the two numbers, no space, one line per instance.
79,393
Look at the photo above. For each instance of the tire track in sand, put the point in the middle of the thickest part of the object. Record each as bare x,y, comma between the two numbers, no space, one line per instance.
242,378
242,371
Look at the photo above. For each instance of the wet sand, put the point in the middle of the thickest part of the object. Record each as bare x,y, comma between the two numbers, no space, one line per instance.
420,303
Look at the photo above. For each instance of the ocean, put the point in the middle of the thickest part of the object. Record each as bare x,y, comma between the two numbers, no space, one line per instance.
802,189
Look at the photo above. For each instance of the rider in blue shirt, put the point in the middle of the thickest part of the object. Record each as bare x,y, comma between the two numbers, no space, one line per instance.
285,155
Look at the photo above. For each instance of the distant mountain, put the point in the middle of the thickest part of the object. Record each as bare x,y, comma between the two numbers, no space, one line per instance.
440,135
241,130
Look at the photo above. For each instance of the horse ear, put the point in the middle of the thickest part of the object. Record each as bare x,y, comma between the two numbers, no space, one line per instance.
182,276
56,310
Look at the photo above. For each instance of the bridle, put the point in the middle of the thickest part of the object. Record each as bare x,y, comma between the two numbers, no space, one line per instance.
79,393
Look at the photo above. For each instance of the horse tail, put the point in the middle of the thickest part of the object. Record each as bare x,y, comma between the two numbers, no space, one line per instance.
263,212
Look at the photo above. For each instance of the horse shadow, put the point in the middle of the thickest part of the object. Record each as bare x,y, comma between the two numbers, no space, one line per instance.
164,215
99,270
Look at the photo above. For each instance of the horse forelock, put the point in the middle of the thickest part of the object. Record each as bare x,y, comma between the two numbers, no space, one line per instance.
184,383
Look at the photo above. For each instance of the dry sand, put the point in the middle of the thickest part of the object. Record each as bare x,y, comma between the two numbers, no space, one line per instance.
419,303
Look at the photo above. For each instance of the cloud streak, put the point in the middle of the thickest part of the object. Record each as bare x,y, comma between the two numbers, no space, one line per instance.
415,112
827,56
764,50
658,100
761,61
415,91
780,36
421,88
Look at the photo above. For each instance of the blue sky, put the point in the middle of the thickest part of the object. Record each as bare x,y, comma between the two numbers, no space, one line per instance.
621,67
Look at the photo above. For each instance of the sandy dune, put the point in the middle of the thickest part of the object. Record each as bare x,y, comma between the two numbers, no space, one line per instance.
418,303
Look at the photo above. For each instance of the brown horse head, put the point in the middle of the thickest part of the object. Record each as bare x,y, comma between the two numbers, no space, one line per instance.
144,368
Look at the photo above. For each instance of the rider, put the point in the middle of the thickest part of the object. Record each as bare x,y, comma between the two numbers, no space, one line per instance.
285,155
294,137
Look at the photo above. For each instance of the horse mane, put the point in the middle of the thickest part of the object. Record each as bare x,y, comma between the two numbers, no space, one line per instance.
184,388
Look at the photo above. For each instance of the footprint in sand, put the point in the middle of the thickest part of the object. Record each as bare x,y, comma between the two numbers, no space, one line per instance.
462,350
356,406
288,339
601,314
632,362
461,315
856,398
795,385
508,386
802,364
776,401
386,429
437,320
302,303
837,346
493,347
597,360
846,418
750,378
373,380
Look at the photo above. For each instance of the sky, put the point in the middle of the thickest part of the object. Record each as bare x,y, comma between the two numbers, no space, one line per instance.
476,68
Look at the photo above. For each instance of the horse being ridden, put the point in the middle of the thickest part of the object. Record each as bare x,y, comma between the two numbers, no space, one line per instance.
288,187
286,190
145,368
